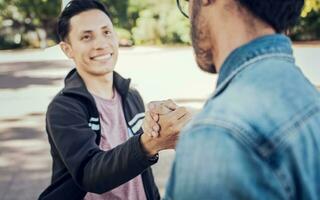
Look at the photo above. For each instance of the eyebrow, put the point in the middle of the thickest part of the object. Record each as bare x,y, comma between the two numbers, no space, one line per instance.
86,31
90,31
105,27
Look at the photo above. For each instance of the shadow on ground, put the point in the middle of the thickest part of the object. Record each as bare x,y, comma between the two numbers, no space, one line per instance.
13,67
17,82
12,74
24,158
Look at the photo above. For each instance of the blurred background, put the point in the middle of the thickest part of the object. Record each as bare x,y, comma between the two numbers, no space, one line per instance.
31,23
155,52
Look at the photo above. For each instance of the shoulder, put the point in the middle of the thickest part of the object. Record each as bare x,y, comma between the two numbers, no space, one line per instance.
134,93
62,104
135,97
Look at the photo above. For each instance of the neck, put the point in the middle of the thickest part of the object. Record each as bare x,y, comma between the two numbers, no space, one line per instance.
233,32
101,86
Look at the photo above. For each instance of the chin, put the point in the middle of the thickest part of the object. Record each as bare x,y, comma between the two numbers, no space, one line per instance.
101,70
104,67
101,73
207,66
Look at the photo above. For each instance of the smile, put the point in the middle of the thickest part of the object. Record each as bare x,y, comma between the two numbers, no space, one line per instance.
102,57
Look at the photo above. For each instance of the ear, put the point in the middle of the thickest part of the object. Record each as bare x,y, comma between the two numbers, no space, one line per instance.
67,49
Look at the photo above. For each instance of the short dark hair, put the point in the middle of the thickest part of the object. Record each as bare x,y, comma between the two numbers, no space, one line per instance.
75,7
280,14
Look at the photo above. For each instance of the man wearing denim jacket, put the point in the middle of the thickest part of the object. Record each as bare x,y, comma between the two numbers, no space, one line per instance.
258,136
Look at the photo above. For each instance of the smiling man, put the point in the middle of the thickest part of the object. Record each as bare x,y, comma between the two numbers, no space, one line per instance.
101,145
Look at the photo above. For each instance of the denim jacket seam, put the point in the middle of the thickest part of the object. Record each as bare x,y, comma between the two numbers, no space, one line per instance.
240,133
298,121
249,63
281,179
284,132
243,140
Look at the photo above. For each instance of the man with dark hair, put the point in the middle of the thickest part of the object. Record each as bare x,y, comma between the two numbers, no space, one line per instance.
101,145
257,137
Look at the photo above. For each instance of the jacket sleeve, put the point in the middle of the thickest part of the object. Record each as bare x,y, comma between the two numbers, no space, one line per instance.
92,169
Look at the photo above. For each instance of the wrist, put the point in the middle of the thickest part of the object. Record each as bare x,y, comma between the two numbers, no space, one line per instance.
148,145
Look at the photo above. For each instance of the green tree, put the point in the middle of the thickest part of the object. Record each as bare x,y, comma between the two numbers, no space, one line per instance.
118,10
29,23
160,23
310,5
308,27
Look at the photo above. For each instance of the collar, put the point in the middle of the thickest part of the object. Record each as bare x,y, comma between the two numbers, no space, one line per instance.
74,84
241,57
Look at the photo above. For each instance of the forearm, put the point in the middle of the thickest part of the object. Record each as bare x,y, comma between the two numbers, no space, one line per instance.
109,169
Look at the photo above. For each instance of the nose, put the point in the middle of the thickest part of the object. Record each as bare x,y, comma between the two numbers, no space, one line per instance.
101,43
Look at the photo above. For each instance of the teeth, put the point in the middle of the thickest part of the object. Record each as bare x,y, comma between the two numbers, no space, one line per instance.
104,57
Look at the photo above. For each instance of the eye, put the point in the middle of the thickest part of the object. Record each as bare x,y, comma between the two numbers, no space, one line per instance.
107,33
86,37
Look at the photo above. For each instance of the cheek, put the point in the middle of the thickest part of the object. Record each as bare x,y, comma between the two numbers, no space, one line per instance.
84,52
115,41
115,45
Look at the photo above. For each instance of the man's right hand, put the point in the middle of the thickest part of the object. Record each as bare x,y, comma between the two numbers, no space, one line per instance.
170,127
166,120
151,124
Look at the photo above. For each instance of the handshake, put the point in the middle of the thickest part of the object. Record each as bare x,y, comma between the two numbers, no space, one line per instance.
162,124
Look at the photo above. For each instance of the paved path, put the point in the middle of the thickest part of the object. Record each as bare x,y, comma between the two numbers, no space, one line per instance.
29,79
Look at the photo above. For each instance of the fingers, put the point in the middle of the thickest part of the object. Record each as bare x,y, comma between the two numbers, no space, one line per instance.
180,123
171,123
177,114
170,104
183,121
162,107
158,108
150,126
155,117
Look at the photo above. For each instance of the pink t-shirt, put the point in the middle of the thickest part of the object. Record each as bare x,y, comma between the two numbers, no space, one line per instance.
114,131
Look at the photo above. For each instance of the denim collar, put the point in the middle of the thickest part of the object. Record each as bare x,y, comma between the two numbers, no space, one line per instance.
240,58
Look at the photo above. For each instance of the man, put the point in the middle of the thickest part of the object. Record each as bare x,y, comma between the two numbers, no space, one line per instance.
258,136
98,147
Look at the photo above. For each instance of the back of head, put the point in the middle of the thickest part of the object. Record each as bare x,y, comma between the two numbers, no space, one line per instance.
280,14
75,7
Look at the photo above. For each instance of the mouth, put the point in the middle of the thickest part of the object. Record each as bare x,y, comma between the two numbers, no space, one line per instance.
104,57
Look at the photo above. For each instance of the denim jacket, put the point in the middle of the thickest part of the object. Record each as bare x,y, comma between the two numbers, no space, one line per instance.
258,136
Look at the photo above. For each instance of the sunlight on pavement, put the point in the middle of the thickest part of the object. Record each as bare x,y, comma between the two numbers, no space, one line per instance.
20,102
48,73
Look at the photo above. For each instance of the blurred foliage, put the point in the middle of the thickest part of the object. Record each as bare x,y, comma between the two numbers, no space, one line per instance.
161,24
308,27
310,6
149,21
28,23
31,23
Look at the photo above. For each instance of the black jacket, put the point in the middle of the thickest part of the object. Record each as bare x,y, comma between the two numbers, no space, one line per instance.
79,165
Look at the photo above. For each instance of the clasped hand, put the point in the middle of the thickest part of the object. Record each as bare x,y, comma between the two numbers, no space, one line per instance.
164,121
